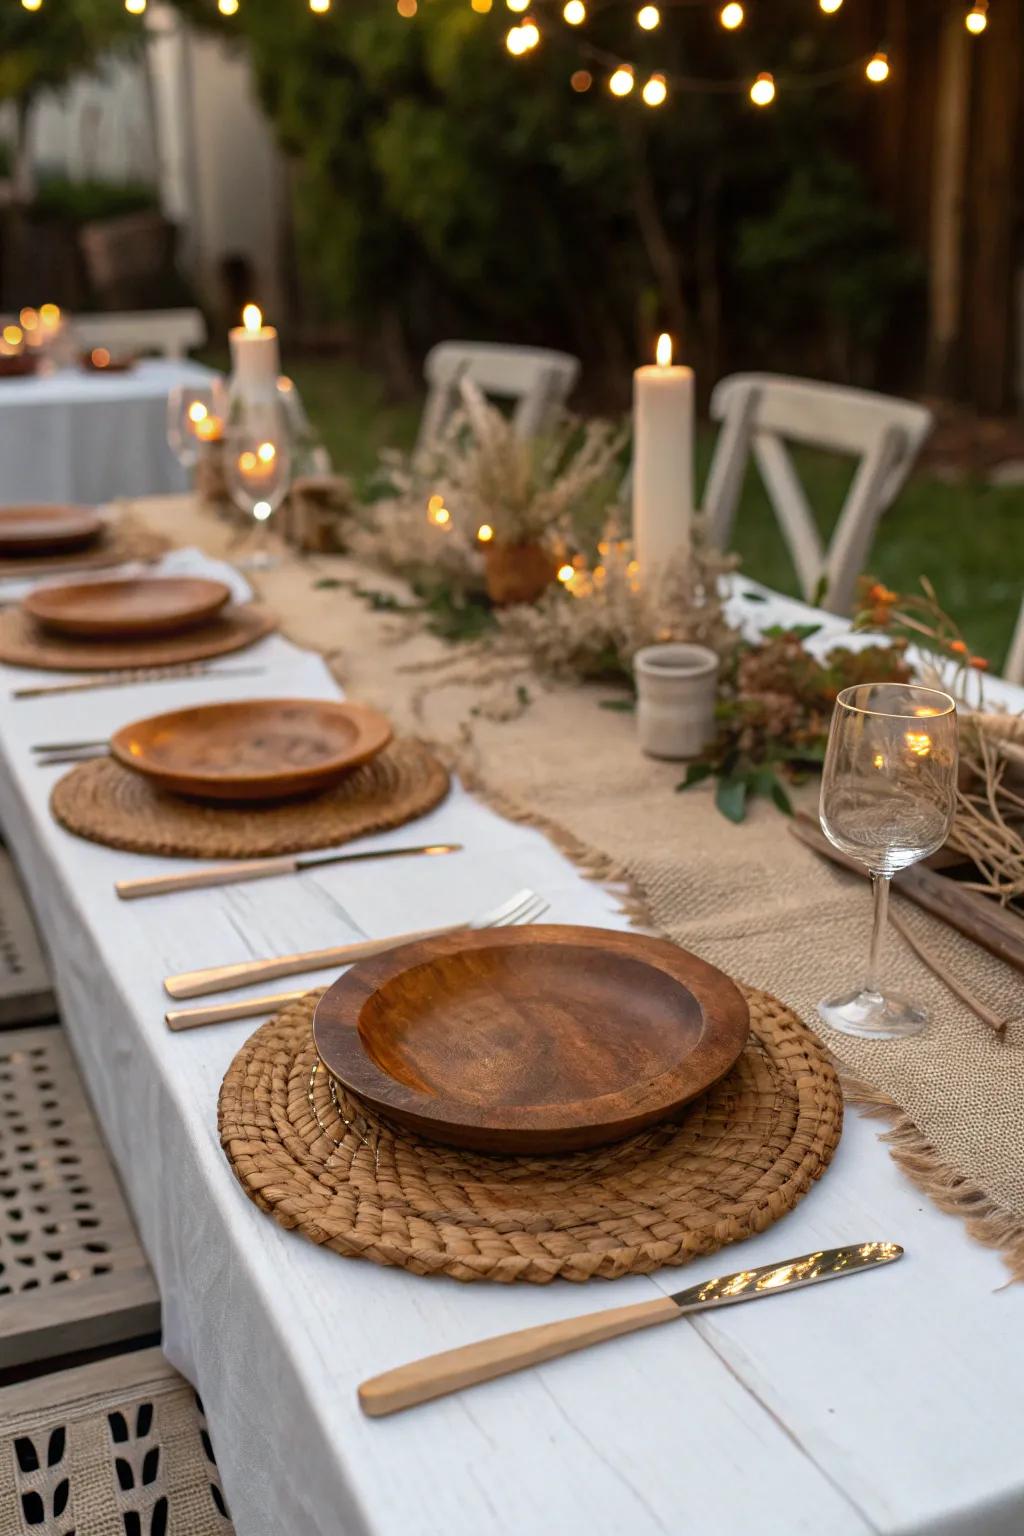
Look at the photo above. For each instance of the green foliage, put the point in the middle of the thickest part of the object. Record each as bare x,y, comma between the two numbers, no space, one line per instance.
40,50
80,202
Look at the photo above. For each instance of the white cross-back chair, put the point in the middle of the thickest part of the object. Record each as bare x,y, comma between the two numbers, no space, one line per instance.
537,379
1013,671
762,412
170,332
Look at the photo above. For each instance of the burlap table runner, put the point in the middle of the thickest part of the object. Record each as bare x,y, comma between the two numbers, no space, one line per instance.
750,899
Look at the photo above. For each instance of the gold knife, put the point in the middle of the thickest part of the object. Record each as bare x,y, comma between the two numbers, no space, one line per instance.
454,1369
263,869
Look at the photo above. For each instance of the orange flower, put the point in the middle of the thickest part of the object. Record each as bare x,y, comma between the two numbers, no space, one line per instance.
958,646
880,616
979,663
880,594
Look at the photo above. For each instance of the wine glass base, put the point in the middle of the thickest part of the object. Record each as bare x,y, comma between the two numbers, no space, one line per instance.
872,1016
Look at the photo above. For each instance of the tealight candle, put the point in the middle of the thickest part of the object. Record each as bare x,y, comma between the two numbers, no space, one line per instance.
663,426
255,355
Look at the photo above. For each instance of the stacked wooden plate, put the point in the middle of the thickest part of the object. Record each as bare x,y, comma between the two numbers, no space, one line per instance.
118,610
252,750
47,530
531,1040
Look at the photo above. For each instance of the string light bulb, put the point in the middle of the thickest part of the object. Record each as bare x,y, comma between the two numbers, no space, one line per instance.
877,68
762,92
319,7
732,16
135,7
518,5
482,7
575,12
566,573
976,19
407,8
655,91
622,80
530,35
648,17
31,5
228,7
485,533
830,6
581,80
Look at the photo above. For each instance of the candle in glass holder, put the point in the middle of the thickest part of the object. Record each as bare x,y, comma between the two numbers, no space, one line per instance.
663,430
255,355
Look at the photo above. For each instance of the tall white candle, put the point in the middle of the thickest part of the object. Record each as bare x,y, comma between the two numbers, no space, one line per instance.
255,355
663,417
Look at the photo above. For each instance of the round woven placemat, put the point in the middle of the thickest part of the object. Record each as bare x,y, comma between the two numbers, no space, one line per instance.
321,1164
118,543
24,643
109,804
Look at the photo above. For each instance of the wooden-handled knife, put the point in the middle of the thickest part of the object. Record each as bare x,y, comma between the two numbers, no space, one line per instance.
976,916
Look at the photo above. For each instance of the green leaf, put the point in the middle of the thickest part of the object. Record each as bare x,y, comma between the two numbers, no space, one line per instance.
781,799
619,706
798,631
327,582
523,695
754,597
696,773
731,798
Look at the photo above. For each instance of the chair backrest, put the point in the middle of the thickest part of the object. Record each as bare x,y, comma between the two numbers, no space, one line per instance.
537,379
1013,671
171,332
760,413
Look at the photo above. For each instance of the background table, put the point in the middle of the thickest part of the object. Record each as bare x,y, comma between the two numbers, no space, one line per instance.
892,1403
87,437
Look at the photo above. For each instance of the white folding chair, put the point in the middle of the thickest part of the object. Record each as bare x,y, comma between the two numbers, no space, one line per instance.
537,379
1013,671
170,332
759,413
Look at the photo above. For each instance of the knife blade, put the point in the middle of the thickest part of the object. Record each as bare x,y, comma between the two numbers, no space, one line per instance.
437,1375
263,869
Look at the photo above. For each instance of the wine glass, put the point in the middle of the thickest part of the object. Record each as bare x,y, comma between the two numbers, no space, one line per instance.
195,415
888,794
258,466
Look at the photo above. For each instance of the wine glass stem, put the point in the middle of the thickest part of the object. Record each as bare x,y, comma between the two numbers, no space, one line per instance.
880,888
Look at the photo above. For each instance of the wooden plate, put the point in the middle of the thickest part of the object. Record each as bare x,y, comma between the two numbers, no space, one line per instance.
46,530
258,749
541,1039
157,605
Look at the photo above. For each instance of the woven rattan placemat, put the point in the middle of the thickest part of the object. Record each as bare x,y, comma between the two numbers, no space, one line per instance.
24,643
109,804
319,1163
118,543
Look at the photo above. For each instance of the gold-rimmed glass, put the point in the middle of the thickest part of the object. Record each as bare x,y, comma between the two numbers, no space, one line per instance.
888,794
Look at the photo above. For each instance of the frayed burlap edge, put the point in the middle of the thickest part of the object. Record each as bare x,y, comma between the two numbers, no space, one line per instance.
987,1222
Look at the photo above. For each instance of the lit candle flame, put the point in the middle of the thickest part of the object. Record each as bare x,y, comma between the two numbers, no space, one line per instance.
252,318
663,351
266,453
197,411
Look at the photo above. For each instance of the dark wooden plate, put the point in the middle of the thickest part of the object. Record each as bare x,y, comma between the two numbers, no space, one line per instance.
541,1039
252,749
47,530
154,605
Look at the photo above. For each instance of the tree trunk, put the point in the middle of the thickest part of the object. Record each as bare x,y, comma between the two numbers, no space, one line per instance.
661,254
945,299
23,178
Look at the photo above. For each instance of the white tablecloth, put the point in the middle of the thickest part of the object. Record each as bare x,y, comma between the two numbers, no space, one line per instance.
84,437
893,1403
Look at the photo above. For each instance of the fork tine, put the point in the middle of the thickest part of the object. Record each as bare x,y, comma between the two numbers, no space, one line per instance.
505,912
529,914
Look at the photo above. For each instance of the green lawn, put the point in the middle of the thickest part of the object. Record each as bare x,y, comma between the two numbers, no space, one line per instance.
968,537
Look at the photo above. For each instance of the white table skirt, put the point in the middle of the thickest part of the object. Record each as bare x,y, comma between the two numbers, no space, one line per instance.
890,1404
90,438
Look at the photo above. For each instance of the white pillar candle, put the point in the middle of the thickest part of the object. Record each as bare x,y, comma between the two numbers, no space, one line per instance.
663,416
255,355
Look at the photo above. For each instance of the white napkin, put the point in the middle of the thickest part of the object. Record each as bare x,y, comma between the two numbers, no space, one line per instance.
177,562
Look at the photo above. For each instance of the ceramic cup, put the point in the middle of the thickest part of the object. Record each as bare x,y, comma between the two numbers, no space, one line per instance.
675,687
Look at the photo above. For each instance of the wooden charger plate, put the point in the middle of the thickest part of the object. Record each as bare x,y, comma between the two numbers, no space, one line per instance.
155,605
252,749
47,530
522,1040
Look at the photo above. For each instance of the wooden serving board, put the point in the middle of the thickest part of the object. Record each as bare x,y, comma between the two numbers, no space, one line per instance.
977,917
531,1040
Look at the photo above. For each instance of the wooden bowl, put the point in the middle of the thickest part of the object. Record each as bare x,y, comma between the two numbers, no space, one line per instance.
157,605
252,749
540,1039
47,530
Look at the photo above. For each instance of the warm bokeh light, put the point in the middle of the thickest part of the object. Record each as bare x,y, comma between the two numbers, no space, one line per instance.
919,742
663,350
266,453
248,463
210,429
31,5
485,533
197,411
514,41
530,34
262,510
99,357
574,13
622,80
29,319
13,335
136,7
877,68
482,7
976,19
518,5
228,7
407,8
581,80
830,6
655,91
732,16
252,318
49,314
648,17
320,7
565,573
762,92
